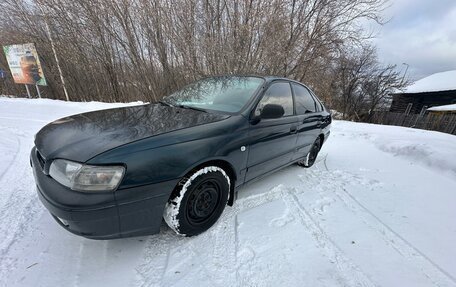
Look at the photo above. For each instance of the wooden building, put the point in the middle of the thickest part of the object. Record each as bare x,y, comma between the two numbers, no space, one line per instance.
436,90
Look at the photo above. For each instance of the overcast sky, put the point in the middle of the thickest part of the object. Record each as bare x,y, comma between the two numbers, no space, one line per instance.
421,33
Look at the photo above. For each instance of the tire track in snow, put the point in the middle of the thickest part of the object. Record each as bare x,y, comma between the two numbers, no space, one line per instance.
16,152
14,231
430,269
161,245
155,259
437,275
351,274
78,264
223,236
225,247
19,204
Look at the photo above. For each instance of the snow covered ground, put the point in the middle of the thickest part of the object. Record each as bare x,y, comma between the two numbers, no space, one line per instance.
378,209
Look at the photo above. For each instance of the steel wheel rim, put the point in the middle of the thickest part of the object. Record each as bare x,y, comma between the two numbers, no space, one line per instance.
203,201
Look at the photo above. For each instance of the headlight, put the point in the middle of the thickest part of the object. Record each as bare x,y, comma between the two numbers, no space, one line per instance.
83,177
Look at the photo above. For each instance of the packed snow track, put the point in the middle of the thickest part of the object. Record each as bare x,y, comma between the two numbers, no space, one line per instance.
377,209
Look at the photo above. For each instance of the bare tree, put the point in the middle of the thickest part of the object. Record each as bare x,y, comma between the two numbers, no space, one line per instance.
362,85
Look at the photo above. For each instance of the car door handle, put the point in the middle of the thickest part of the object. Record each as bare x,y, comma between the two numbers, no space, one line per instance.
293,130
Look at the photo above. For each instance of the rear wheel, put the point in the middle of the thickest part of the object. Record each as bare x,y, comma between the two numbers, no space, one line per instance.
198,203
310,158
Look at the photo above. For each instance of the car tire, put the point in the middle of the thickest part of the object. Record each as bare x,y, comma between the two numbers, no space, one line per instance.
198,201
311,156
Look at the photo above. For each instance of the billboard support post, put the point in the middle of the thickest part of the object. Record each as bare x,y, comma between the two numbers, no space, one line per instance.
38,91
28,91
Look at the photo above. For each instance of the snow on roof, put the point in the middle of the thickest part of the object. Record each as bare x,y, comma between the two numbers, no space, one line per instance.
443,108
445,81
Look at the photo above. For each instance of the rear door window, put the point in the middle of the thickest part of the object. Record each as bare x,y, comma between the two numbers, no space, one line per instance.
304,100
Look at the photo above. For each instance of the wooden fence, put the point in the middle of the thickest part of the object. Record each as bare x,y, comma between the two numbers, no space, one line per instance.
430,121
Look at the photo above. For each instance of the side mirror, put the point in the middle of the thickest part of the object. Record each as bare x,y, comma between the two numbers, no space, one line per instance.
272,111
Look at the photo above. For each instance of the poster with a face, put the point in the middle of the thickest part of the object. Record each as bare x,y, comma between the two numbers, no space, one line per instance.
24,64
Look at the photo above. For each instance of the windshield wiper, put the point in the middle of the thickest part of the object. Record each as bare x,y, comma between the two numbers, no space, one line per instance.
165,103
182,106
190,107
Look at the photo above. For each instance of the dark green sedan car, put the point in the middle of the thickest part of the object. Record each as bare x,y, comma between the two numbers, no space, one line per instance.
120,172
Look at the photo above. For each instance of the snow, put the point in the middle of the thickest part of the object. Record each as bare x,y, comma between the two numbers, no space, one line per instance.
377,209
444,81
336,115
443,108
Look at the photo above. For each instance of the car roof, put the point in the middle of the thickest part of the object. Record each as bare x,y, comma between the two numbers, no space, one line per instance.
276,78
267,78
273,78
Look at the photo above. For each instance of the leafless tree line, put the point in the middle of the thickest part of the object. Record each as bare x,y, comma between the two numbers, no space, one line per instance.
123,50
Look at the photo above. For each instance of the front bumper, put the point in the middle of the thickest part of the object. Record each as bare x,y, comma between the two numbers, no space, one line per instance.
103,215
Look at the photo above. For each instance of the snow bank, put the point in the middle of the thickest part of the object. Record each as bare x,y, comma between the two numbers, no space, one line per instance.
50,103
435,150
47,110
445,81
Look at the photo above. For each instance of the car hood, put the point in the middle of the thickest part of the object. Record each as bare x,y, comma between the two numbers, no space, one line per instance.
83,136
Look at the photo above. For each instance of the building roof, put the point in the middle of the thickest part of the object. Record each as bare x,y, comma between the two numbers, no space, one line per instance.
445,81
443,108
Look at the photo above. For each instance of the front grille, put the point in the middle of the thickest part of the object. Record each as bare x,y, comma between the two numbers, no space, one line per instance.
41,159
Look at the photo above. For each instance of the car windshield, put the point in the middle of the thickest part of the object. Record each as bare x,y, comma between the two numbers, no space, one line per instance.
225,94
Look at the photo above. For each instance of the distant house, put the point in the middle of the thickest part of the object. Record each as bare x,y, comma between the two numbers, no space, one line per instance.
436,90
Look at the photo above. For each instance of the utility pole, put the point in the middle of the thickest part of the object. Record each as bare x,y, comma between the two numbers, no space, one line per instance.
53,50
406,69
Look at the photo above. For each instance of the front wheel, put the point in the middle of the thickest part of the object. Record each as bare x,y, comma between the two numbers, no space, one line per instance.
310,158
198,203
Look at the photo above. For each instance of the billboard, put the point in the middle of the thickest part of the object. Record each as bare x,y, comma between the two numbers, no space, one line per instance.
24,64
